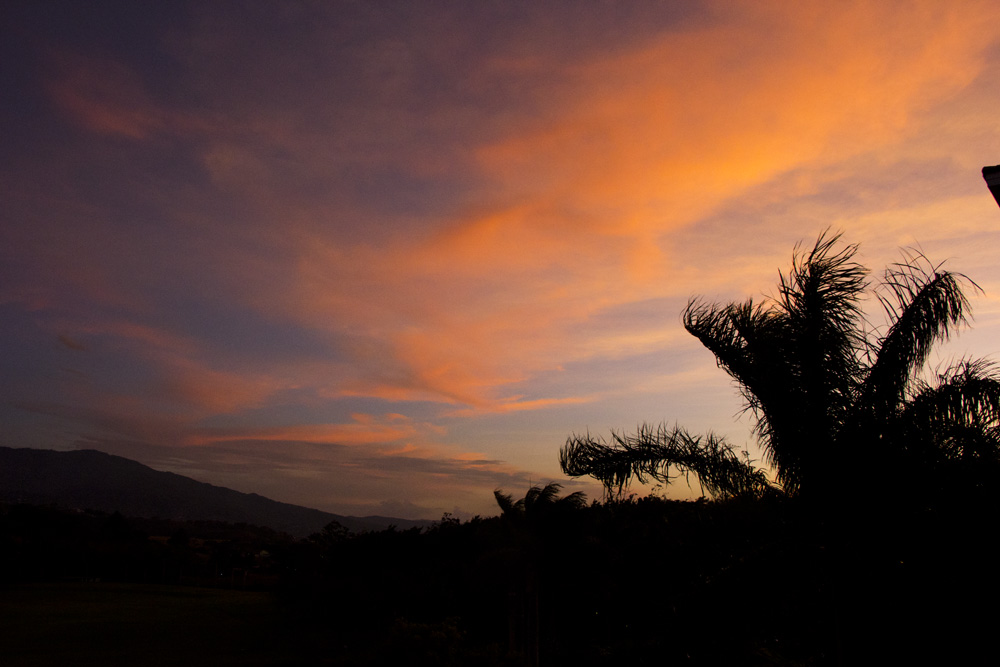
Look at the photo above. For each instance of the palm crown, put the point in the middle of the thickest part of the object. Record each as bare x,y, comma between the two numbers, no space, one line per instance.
821,383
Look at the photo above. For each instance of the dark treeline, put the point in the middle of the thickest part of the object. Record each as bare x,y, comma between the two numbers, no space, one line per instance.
644,579
647,581
49,544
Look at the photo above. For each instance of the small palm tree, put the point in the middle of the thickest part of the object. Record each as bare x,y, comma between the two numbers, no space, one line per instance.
538,501
824,386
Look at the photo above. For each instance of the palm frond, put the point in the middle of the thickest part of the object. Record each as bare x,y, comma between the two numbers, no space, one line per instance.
821,294
824,337
797,359
653,452
960,413
575,500
507,505
924,305
538,497
538,502
742,337
736,334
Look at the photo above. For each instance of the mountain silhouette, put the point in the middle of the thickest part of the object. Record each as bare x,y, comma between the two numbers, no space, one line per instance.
92,480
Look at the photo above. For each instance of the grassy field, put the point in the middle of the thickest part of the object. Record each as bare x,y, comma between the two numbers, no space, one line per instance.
129,624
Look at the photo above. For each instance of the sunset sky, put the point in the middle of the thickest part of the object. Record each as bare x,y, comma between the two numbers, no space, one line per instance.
384,257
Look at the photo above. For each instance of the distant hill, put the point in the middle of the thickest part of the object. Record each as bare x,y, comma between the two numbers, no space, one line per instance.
88,479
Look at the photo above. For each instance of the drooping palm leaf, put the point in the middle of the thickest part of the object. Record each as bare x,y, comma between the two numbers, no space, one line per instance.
652,453
507,505
959,414
742,337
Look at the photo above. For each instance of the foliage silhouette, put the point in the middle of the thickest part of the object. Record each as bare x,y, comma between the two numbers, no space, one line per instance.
641,581
539,501
820,382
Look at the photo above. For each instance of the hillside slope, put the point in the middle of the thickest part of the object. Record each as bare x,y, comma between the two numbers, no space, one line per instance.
88,479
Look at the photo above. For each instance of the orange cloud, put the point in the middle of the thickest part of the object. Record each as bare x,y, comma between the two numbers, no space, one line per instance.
663,133
211,391
580,202
516,404
584,199
642,145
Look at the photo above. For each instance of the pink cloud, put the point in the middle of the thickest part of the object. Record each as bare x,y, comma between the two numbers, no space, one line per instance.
108,97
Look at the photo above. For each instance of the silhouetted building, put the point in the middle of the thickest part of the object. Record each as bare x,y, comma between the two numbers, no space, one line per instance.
992,176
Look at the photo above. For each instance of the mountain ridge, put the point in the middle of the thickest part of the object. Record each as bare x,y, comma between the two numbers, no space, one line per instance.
94,480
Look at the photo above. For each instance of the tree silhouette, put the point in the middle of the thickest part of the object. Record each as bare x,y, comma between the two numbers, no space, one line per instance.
823,385
539,501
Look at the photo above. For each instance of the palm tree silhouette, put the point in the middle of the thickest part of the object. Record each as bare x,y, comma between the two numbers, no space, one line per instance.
538,501
825,389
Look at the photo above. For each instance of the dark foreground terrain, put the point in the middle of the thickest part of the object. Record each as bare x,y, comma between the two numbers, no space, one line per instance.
144,624
640,582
